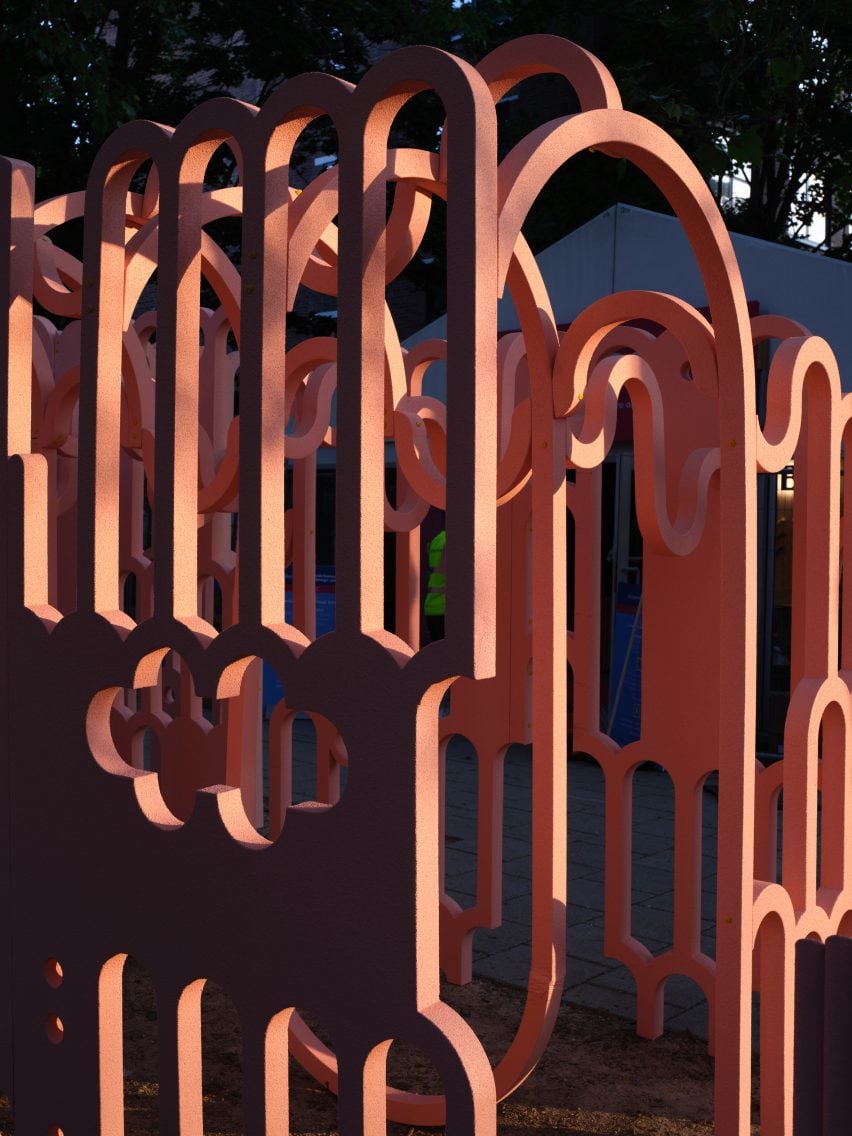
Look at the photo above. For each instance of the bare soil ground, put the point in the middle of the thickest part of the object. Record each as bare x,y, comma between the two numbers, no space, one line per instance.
597,1077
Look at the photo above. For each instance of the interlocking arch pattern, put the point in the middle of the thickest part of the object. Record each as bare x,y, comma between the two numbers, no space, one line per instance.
124,456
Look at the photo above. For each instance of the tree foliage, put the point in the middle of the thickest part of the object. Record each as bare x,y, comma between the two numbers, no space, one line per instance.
73,70
761,86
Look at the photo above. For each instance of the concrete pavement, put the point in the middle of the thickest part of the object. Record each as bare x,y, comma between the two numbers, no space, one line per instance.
592,979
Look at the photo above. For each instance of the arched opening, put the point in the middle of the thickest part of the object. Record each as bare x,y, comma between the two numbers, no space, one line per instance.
621,622
652,859
777,816
412,1070
570,552
833,814
305,756
218,384
586,856
459,818
135,584
770,1017
221,1061
129,595
7,1114
569,706
686,1006
416,431
709,861
294,759
146,754
505,948
141,1050
305,764
210,602
163,729
311,334
297,1100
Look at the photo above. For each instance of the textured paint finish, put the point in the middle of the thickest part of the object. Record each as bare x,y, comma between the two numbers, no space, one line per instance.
134,756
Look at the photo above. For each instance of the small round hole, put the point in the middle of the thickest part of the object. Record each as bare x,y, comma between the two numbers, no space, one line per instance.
53,973
54,1028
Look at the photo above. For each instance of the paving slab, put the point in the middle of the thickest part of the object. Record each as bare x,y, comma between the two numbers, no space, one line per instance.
586,853
489,942
592,979
652,879
503,953
681,993
511,966
601,998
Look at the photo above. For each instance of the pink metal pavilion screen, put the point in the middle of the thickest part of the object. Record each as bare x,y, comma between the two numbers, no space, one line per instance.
335,905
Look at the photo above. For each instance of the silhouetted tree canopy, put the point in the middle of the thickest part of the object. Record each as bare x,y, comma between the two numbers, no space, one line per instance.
759,84
73,70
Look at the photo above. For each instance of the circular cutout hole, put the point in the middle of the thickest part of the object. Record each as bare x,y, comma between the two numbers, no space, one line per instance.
53,973
54,1028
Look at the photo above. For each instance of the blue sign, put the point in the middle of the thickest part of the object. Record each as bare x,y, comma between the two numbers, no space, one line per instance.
326,581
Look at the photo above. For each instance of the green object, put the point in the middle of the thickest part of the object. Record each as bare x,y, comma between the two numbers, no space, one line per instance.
436,597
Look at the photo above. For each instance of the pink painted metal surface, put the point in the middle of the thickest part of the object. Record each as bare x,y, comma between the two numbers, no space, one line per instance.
115,419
